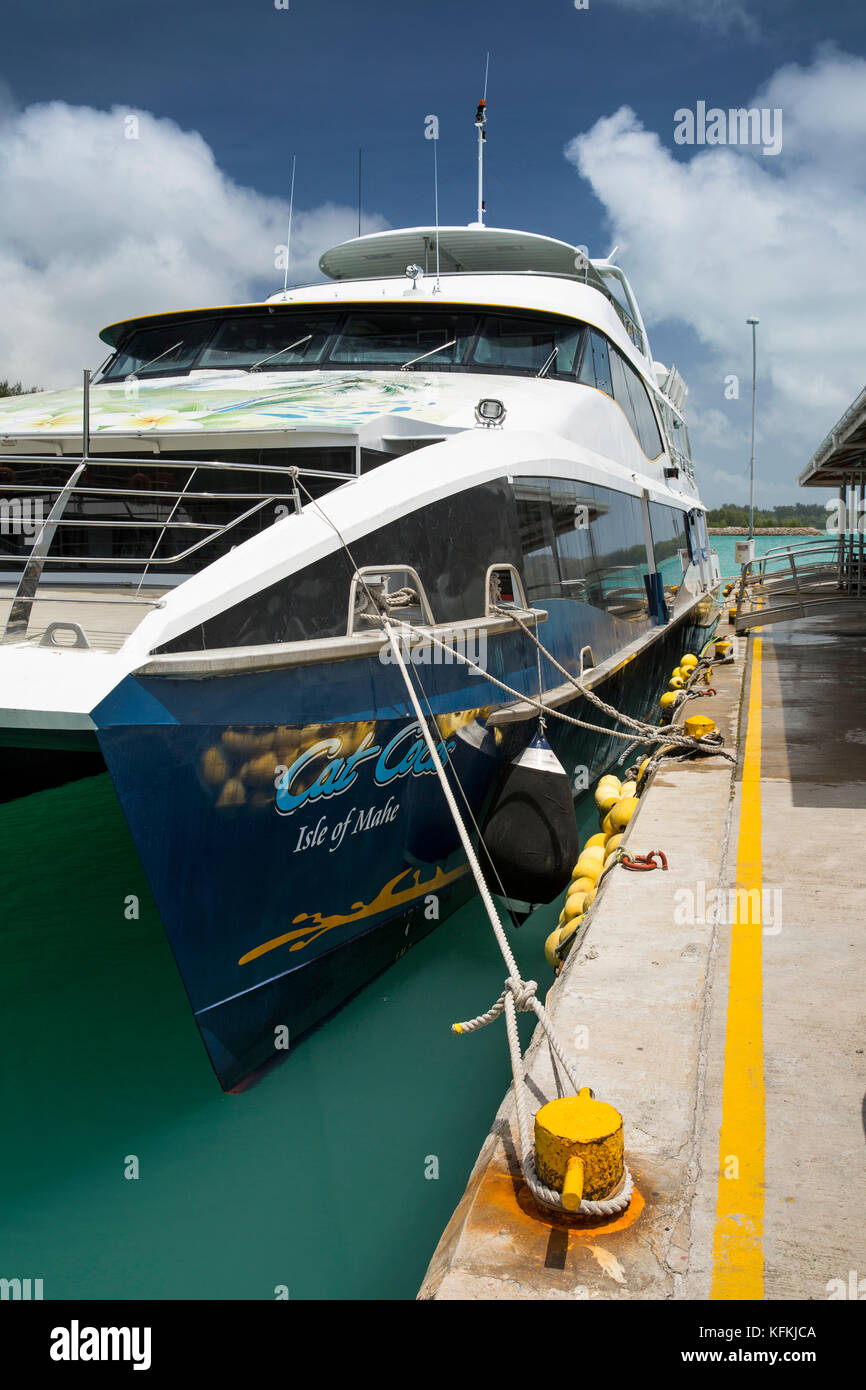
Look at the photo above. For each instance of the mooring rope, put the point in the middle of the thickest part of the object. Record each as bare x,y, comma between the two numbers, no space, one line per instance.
519,995
649,733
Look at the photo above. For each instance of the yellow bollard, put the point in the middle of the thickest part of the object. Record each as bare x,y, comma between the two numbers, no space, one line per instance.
579,1148
724,647
699,726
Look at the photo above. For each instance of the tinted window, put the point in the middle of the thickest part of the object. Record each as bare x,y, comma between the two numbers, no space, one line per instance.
647,429
396,338
621,393
598,552
436,338
270,340
586,366
670,541
574,508
540,573
618,554
630,392
169,349
601,363
527,345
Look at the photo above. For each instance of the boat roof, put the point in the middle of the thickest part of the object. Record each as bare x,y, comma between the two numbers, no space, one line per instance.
472,250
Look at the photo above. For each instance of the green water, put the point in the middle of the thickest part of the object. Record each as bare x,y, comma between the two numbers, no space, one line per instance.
724,547
315,1179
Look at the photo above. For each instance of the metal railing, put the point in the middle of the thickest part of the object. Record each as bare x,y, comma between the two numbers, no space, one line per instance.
791,582
147,519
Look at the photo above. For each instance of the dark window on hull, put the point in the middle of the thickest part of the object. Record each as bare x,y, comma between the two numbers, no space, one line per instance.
670,541
583,542
451,543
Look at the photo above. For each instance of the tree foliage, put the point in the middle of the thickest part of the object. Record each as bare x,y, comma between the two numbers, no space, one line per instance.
14,388
787,514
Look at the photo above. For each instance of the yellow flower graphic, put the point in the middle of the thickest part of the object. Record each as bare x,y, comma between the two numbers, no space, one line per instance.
152,419
62,420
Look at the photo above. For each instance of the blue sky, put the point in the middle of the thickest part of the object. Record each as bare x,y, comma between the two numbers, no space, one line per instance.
254,84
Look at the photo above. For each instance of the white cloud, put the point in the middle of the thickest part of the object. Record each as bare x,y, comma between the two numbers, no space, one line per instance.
714,14
726,233
96,227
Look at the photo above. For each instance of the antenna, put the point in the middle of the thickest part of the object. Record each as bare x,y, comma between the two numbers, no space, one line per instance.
289,233
437,287
480,123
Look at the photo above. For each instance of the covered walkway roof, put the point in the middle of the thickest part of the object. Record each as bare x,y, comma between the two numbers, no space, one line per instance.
842,453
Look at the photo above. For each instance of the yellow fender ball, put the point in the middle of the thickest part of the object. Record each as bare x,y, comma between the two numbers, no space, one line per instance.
590,864
605,798
668,699
594,840
592,851
575,906
550,946
688,662
613,843
606,826
623,812
676,683
580,884
629,788
608,777
568,931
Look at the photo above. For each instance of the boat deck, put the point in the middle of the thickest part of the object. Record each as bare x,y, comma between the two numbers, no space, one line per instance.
105,614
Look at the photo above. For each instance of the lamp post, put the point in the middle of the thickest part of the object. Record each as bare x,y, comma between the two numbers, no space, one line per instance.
754,322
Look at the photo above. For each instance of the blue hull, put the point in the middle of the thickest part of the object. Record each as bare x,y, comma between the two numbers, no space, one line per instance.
292,827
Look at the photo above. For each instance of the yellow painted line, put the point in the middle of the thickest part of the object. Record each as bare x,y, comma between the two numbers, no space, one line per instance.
738,1249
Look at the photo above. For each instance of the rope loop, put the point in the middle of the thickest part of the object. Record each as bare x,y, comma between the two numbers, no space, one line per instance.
645,862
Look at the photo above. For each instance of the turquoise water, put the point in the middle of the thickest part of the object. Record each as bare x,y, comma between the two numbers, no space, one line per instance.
315,1179
724,547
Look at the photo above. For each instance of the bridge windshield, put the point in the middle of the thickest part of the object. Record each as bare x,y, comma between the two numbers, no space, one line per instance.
361,337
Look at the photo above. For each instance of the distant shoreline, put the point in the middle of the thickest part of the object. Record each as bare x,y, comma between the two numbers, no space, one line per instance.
765,531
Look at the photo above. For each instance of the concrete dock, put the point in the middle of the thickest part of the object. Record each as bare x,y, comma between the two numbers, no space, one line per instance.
730,1037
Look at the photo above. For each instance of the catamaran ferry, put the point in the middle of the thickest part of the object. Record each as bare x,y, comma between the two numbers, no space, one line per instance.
462,430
